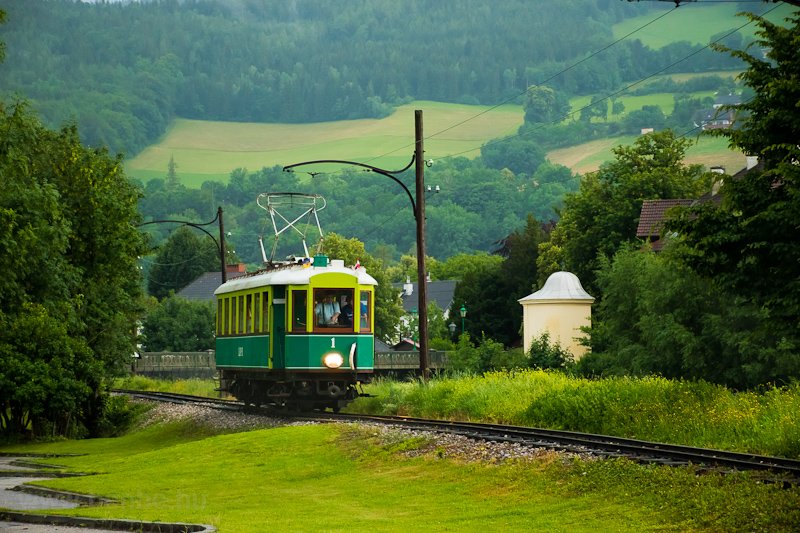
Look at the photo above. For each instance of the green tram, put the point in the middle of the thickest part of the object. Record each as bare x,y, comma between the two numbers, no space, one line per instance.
296,334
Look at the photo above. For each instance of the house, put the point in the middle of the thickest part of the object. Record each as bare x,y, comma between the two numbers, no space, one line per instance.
202,288
651,220
720,116
406,345
439,292
654,212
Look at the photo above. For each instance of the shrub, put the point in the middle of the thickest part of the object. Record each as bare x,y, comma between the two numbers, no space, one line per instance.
546,355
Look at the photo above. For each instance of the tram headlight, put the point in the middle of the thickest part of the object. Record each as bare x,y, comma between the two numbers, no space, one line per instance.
333,360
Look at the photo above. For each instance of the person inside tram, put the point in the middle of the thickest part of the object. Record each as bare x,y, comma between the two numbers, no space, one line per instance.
327,311
346,318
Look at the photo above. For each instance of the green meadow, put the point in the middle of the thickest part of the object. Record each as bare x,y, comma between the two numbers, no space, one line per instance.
354,478
695,23
205,150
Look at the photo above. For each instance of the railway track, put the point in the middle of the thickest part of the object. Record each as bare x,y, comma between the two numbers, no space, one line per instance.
781,469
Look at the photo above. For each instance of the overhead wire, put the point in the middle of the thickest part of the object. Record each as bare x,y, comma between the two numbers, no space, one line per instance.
571,113
506,101
518,95
613,94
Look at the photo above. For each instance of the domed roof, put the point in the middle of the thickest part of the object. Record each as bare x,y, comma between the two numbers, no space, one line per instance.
560,286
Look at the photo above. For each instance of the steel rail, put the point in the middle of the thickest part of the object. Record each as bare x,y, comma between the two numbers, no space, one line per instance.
606,445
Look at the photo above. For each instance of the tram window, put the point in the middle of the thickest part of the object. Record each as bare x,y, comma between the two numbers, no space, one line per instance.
331,308
226,316
299,310
219,316
248,313
265,312
240,312
257,312
364,311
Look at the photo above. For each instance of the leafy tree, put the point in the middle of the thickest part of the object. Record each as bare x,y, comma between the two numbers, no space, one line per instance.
71,293
747,245
649,116
657,316
604,213
465,357
516,154
181,260
598,108
2,44
172,181
482,293
458,266
544,104
178,324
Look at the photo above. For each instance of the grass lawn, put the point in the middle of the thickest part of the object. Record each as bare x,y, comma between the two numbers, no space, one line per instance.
694,22
303,479
206,150
334,478
352,479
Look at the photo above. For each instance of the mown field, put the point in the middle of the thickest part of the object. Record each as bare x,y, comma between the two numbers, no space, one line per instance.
205,150
587,157
347,478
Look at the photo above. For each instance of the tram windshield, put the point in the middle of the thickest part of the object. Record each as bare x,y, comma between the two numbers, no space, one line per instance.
333,308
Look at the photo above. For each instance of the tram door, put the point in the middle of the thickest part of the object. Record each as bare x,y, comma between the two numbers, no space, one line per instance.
278,354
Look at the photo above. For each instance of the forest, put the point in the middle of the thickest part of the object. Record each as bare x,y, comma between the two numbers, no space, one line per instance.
124,70
720,303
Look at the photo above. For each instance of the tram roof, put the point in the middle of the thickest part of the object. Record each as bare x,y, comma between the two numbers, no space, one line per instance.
294,274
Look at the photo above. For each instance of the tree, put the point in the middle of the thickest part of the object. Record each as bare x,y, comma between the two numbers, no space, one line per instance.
649,116
178,324
172,181
181,260
657,316
543,104
747,245
515,154
2,44
598,108
71,293
604,213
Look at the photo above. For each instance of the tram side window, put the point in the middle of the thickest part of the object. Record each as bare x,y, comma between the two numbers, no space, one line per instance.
299,310
257,312
219,316
265,312
364,311
333,308
240,315
226,317
248,312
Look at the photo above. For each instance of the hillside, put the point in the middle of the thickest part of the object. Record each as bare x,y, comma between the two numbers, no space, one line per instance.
124,71
205,150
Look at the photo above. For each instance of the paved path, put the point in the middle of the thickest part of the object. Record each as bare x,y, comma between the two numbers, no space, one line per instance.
20,501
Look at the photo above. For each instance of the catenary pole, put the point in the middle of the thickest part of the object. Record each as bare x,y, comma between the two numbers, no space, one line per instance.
422,275
222,251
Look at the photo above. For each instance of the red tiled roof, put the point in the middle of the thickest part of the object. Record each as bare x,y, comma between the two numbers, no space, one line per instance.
653,214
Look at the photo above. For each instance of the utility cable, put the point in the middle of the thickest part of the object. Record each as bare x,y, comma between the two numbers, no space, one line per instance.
610,95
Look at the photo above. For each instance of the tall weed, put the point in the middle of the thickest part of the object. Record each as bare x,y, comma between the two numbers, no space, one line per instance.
650,408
